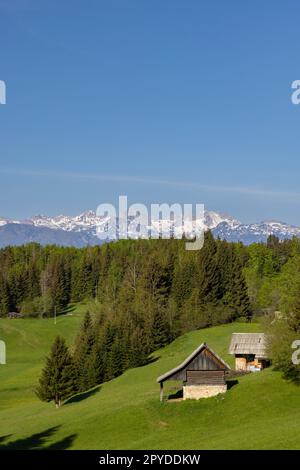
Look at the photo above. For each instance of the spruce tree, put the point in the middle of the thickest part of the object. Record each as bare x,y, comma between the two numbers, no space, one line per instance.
114,360
97,362
241,302
58,379
160,332
84,345
184,281
109,336
4,297
208,273
138,355
234,287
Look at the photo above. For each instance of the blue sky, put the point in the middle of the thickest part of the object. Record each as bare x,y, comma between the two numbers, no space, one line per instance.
161,100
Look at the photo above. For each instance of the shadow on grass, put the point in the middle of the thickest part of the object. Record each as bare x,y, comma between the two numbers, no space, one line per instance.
177,395
83,396
68,309
4,438
38,441
231,384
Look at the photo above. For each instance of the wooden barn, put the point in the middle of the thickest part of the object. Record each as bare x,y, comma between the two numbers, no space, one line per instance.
202,374
250,351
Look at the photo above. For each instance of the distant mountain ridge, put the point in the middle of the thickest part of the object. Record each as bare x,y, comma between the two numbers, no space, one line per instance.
80,230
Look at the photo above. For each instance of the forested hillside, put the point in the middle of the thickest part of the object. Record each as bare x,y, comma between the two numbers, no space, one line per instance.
144,293
128,275
122,275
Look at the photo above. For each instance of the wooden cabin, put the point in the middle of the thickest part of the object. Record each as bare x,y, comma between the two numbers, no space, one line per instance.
250,351
202,374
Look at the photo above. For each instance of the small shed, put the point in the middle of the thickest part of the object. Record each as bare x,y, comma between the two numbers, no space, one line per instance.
202,374
250,351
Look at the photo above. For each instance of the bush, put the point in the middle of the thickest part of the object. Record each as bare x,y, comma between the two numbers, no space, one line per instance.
37,307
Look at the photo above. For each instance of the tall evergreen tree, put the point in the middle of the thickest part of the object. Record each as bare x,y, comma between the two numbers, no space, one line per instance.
241,302
59,285
208,273
160,332
84,346
138,348
58,379
184,280
97,363
4,297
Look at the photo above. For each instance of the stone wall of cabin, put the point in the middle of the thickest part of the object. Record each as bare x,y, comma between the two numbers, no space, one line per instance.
196,392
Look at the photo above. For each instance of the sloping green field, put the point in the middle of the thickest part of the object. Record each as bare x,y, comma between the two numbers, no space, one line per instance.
260,412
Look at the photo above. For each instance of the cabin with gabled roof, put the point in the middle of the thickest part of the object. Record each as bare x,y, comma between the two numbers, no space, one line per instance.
202,374
250,351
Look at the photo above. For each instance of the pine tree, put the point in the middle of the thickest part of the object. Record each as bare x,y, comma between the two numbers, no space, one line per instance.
109,337
138,355
60,289
115,360
84,346
4,297
241,302
58,379
184,281
160,332
273,242
32,281
234,287
208,273
97,362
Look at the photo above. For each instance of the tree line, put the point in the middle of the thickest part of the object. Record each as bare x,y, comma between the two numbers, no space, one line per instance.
139,281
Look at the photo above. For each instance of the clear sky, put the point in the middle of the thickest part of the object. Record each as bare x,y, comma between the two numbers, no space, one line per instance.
161,100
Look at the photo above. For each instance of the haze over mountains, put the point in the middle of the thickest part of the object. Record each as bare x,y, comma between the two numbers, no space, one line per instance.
80,231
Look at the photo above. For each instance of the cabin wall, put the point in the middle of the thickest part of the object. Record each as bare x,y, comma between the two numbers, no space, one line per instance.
205,377
240,363
245,363
203,362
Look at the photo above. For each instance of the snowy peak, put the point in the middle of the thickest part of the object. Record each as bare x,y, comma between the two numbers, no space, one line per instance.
83,228
88,220
85,221
3,221
213,219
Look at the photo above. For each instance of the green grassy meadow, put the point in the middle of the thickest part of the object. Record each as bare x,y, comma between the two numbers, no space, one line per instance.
260,412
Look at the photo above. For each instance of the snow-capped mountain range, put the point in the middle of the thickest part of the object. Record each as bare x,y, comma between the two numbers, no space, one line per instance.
81,230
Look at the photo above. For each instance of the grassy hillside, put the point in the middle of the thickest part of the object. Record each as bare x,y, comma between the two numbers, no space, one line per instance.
260,412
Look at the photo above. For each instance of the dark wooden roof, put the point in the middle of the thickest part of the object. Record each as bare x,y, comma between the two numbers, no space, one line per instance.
203,358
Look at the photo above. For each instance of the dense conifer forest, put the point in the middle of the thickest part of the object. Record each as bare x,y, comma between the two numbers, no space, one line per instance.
144,293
